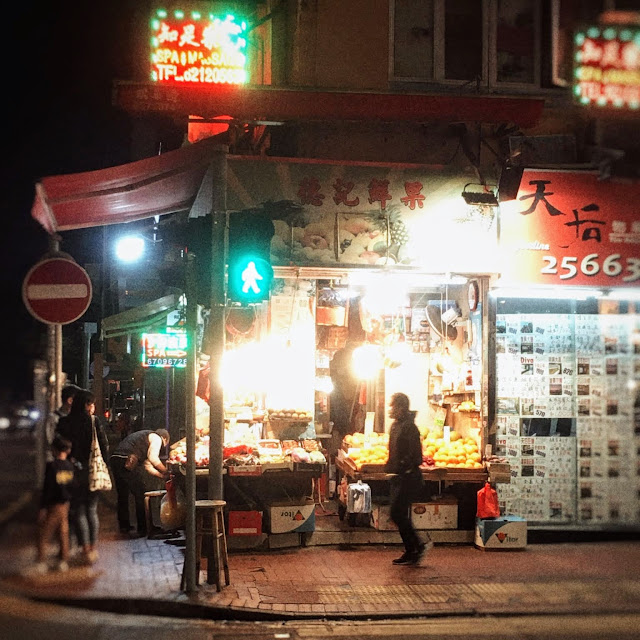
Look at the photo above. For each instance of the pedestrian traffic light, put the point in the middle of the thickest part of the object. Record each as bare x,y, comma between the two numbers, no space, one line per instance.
249,270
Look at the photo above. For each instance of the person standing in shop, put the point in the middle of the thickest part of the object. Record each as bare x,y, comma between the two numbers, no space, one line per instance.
136,458
405,477
344,395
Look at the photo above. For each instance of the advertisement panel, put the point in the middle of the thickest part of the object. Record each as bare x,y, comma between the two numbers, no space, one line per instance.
570,228
337,214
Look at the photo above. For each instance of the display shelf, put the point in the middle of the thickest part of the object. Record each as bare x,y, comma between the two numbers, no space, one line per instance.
289,421
437,474
253,470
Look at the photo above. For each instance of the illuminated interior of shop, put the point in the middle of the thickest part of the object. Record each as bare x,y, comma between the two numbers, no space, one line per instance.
322,358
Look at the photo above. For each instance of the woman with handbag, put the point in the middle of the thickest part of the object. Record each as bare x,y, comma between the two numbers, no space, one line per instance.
86,434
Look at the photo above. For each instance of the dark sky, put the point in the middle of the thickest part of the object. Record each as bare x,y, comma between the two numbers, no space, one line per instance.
60,61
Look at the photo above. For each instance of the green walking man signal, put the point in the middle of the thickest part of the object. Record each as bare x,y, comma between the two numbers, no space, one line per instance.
250,277
250,273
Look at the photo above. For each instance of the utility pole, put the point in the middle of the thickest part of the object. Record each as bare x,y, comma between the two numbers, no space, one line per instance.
217,320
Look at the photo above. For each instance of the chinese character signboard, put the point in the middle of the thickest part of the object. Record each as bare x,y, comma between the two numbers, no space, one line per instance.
365,214
607,67
568,227
164,350
194,48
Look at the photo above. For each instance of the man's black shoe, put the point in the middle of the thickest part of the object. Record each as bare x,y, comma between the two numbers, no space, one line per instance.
419,554
405,558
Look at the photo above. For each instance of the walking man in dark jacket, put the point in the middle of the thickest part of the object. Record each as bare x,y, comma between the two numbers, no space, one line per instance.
146,446
406,482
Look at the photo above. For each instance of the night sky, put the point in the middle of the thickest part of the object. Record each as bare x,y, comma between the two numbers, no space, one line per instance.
60,61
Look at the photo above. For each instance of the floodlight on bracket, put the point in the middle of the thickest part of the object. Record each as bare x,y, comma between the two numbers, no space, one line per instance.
486,197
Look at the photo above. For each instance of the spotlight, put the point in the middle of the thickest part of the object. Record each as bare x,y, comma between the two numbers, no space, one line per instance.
475,198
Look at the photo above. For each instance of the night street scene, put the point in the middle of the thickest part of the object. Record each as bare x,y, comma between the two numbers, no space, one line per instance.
322,319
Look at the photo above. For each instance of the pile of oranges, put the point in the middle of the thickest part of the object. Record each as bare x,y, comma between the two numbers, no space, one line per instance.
461,453
375,453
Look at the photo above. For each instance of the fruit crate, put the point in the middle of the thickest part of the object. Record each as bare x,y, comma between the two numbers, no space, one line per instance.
372,468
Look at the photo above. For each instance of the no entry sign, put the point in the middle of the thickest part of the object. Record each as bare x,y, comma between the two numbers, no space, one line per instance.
57,291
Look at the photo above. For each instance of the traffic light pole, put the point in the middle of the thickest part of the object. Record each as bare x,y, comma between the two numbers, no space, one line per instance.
219,251
190,424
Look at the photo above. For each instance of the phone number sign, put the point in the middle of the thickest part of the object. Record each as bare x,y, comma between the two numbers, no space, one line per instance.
198,49
568,227
164,350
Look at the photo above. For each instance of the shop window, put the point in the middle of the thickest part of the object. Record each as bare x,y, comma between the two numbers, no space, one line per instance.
567,408
514,45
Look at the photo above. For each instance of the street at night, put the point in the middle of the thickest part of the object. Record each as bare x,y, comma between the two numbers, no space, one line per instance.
321,319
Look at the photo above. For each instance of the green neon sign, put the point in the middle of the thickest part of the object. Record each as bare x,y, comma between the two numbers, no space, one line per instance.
164,350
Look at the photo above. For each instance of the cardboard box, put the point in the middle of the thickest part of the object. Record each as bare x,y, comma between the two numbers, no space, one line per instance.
245,523
505,532
381,518
440,514
292,517
245,470
437,514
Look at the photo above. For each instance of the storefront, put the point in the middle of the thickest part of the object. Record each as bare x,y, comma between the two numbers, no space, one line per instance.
381,278
567,352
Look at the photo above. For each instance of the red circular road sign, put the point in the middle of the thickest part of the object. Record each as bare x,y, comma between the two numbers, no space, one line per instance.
57,291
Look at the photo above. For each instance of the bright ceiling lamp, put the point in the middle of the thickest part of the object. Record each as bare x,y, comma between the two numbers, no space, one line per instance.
367,361
555,293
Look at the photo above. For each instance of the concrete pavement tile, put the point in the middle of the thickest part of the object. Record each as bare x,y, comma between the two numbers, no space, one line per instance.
239,602
252,603
254,592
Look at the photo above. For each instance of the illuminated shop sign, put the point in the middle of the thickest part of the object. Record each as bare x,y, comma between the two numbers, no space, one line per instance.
164,350
197,48
607,67
571,228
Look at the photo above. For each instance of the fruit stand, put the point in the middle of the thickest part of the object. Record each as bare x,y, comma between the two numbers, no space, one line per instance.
259,473
448,468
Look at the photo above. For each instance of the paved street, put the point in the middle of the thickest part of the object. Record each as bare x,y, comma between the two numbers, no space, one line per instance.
337,582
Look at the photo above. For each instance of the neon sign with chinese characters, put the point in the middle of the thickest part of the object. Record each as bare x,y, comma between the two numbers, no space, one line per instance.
607,67
193,48
164,350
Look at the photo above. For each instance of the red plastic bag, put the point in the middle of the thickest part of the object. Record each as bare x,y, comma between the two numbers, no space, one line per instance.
488,506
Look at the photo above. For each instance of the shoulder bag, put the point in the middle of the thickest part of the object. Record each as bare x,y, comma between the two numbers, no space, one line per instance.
99,478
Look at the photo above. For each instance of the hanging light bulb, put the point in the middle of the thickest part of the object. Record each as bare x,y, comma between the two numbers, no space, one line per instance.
367,361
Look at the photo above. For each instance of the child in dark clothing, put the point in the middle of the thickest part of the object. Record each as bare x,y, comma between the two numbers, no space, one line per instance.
54,505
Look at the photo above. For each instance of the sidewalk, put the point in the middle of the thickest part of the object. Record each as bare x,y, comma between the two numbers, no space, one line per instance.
143,576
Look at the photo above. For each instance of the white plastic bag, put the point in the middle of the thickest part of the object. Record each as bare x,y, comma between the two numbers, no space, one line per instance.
359,497
173,511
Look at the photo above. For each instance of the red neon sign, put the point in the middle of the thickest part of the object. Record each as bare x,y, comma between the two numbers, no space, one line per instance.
192,48
607,67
